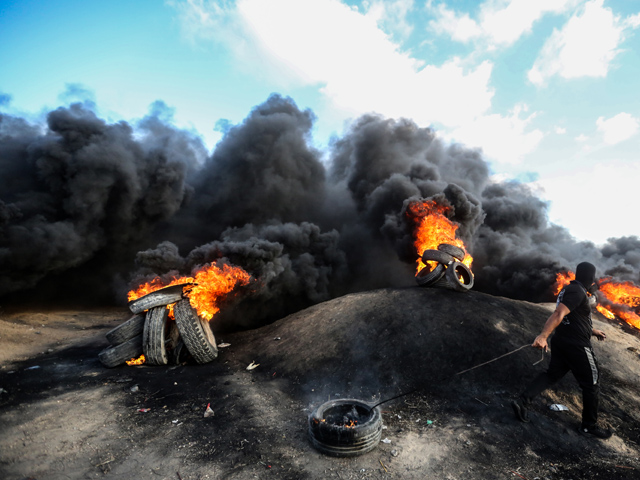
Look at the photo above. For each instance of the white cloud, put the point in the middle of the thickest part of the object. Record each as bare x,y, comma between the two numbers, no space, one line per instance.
359,69
585,46
581,138
560,130
586,183
618,128
503,139
498,23
392,15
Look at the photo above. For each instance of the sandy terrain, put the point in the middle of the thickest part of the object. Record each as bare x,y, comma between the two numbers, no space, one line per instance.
64,416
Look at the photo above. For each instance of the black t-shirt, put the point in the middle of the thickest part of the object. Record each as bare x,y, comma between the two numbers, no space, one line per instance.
576,326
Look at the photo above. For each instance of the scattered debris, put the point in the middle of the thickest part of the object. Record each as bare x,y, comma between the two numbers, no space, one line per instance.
208,412
385,440
556,407
278,338
252,365
144,410
394,453
32,368
134,389
224,345
385,468
2,390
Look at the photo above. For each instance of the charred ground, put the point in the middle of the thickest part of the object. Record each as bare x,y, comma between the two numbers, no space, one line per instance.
72,418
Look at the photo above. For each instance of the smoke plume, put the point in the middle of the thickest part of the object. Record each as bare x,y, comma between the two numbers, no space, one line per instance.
148,200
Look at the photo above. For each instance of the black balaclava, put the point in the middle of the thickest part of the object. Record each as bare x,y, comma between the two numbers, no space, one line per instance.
586,274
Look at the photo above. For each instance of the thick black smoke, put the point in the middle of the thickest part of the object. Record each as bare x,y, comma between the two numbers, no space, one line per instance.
307,226
78,188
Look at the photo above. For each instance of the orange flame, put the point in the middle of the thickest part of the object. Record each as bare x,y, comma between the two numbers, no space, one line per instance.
211,284
607,313
562,280
622,299
432,227
136,361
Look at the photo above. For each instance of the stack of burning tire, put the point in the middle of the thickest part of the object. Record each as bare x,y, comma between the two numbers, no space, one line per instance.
150,332
444,268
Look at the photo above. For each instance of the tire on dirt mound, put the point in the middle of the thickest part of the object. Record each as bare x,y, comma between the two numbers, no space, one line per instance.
154,336
438,256
126,330
460,277
455,252
164,296
426,277
195,332
118,354
339,440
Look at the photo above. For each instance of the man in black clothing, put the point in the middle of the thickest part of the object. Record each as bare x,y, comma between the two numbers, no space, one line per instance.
570,351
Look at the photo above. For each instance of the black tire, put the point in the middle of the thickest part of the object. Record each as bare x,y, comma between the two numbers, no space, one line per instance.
164,296
426,277
437,256
195,332
126,330
118,354
180,354
154,336
339,441
460,277
455,252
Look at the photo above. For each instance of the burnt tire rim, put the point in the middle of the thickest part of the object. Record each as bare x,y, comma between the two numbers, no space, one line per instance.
459,277
345,427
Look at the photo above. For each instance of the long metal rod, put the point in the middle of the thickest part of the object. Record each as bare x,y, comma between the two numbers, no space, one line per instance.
459,373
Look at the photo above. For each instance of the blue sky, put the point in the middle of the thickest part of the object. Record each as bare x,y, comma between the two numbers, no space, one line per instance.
547,89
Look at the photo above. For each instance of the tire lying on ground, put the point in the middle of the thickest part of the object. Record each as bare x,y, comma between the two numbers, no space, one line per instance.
437,256
427,277
164,296
118,354
195,332
154,336
455,252
338,440
459,277
126,330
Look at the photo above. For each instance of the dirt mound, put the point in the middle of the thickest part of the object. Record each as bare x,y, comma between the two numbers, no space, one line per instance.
72,418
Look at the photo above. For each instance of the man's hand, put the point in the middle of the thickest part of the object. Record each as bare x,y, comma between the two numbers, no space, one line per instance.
599,334
540,342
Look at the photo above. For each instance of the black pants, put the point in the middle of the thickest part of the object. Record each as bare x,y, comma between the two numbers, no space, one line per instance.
582,362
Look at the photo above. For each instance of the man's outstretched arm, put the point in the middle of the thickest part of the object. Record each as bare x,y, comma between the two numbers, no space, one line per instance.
550,325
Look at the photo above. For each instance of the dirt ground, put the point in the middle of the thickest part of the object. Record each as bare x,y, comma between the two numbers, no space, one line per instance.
64,416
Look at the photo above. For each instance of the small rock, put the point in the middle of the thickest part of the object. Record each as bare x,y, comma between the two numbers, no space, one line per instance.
134,389
394,453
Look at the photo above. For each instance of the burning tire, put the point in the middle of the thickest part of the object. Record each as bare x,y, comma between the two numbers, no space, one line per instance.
118,354
455,252
126,330
437,256
459,277
426,277
154,336
196,333
345,428
164,296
